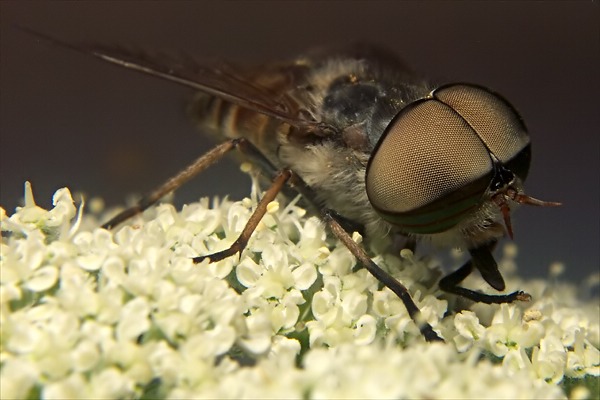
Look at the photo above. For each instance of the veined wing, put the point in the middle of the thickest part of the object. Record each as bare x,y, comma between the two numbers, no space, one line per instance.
219,80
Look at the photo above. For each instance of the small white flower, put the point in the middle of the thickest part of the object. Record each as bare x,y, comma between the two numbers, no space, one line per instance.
257,338
248,272
508,331
584,359
18,376
210,343
366,329
312,240
55,224
85,356
469,330
74,386
21,336
110,383
548,360
324,302
304,276
339,263
42,279
64,209
134,319
284,314
284,350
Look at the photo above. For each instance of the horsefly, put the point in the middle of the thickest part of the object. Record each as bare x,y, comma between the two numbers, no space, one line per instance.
369,145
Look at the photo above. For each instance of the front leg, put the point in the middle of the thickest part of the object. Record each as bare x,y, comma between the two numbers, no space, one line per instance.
240,243
482,259
386,279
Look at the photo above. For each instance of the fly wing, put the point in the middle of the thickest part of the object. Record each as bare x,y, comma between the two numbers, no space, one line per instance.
220,80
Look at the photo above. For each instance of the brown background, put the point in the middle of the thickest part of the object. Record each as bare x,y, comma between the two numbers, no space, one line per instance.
69,120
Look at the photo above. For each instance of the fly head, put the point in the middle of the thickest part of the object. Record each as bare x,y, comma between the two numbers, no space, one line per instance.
454,161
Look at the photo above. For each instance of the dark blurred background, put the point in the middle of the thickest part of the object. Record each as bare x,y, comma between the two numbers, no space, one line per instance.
66,119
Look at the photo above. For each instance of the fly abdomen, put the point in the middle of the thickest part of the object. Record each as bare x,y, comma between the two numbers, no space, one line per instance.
229,121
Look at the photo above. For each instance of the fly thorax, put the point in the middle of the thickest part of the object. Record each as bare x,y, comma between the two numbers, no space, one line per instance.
348,102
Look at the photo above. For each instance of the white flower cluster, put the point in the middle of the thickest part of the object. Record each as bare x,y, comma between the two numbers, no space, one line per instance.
90,313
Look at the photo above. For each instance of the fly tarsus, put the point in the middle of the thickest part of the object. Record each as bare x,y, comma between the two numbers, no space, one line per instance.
450,282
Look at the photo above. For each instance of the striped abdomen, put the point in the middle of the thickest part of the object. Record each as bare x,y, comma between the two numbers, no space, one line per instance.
229,121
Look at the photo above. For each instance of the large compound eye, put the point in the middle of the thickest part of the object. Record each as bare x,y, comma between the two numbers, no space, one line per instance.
434,162
492,118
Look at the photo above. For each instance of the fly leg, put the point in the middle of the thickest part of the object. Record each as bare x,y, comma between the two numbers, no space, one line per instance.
339,226
482,259
241,242
199,165
382,276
